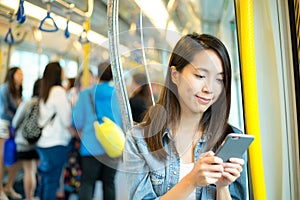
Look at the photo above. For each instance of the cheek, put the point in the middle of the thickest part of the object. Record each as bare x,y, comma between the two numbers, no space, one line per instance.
218,90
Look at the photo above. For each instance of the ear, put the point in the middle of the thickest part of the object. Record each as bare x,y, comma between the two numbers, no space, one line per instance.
174,74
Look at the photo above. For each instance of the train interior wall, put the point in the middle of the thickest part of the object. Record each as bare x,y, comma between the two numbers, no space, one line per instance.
276,100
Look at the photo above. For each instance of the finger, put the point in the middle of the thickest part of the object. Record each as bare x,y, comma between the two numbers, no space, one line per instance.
229,176
237,160
227,166
213,175
209,158
211,179
233,171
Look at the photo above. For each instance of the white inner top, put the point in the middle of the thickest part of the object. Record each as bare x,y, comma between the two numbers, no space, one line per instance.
186,168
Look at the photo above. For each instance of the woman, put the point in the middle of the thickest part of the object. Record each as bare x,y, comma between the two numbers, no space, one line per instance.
52,146
94,103
170,155
26,153
10,98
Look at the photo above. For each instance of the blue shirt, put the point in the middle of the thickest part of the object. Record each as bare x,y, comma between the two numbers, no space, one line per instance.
150,178
106,104
8,105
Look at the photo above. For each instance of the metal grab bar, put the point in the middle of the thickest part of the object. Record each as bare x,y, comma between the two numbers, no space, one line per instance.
116,64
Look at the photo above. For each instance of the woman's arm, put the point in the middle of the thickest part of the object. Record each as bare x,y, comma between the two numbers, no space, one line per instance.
20,114
137,172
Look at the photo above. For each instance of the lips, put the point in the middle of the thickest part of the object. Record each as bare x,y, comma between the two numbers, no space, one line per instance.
203,100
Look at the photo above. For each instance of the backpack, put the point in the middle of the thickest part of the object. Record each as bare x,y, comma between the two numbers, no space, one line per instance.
31,129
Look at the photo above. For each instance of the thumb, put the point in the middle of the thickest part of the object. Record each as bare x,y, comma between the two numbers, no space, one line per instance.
207,154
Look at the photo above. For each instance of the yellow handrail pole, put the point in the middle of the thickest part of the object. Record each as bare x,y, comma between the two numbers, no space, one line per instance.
1,65
248,69
85,75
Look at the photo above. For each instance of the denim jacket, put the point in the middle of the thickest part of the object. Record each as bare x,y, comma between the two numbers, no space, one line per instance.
8,104
150,178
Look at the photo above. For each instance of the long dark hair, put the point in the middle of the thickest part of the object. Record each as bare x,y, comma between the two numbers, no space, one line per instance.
51,77
167,110
9,78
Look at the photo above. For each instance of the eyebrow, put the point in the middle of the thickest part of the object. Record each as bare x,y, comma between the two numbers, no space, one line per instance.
205,70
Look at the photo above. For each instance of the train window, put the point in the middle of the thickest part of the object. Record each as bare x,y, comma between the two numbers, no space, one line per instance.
32,65
70,67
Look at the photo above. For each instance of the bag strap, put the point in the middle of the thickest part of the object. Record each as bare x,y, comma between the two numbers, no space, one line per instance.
93,105
49,120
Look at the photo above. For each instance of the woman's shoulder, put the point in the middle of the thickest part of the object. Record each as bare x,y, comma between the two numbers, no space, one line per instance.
3,88
57,89
136,133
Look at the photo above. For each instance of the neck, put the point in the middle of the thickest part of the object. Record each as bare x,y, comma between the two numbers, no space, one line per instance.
189,119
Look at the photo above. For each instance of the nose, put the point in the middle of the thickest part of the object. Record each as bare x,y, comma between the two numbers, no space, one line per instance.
208,86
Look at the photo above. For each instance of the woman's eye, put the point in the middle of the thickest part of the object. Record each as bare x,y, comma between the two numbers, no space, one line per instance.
220,80
199,76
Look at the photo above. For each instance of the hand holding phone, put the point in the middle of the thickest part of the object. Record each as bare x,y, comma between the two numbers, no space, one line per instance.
234,146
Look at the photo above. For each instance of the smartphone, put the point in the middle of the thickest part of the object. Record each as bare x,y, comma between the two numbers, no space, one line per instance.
234,146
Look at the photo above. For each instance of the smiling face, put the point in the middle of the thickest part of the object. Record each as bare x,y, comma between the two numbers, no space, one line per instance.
200,83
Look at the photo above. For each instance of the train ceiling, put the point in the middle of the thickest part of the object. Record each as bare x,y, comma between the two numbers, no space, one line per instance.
185,16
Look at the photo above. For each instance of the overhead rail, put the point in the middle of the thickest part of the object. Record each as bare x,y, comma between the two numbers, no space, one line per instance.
86,14
6,12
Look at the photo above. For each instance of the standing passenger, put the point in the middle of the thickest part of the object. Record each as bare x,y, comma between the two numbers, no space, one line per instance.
141,98
170,156
26,152
10,98
52,146
94,160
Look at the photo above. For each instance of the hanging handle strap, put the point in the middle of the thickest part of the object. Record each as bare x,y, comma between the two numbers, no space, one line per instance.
67,33
21,13
83,39
48,17
9,38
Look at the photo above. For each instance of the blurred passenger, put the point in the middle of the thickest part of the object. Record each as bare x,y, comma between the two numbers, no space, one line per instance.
78,86
52,147
26,153
141,98
10,98
70,84
95,162
72,172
